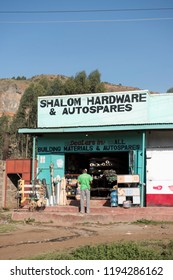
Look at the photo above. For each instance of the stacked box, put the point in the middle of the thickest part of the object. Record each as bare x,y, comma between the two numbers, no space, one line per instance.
131,193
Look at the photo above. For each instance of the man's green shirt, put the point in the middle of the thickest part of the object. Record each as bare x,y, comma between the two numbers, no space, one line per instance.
84,180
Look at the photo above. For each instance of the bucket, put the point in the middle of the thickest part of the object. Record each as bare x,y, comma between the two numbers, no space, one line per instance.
127,204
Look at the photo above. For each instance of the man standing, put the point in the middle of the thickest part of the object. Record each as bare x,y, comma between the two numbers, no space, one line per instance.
84,180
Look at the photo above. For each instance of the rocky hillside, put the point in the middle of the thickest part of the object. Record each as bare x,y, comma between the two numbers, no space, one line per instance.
11,91
10,95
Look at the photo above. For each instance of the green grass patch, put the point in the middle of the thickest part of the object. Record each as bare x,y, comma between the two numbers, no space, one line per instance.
151,222
148,250
5,228
5,217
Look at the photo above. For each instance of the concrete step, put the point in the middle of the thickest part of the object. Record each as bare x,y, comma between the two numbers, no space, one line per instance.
70,214
93,202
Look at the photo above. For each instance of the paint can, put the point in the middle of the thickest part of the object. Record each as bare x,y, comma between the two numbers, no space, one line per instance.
127,204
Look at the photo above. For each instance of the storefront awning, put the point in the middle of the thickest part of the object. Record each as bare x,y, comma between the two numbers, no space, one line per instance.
134,127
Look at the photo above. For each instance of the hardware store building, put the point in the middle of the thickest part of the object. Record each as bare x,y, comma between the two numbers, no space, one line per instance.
127,133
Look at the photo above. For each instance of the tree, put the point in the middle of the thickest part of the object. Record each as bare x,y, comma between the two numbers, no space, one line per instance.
55,88
70,86
170,90
45,83
4,136
81,83
95,82
26,117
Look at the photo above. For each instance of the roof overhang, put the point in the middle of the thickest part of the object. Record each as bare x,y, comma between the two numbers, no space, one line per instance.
129,127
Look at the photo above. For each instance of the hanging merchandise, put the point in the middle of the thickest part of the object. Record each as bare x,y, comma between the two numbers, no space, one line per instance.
63,194
52,197
57,181
47,190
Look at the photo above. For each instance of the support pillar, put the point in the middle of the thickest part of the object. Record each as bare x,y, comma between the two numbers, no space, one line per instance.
143,170
33,159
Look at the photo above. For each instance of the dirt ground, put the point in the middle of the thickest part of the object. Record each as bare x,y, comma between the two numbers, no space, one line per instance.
27,240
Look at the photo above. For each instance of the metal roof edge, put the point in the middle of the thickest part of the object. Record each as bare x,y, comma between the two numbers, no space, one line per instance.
44,130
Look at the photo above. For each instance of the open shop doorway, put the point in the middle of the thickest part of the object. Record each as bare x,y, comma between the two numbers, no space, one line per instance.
103,167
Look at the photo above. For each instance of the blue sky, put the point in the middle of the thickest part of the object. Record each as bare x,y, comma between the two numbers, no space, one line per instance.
126,48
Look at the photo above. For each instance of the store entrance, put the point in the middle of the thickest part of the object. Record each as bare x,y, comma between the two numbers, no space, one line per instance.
103,167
